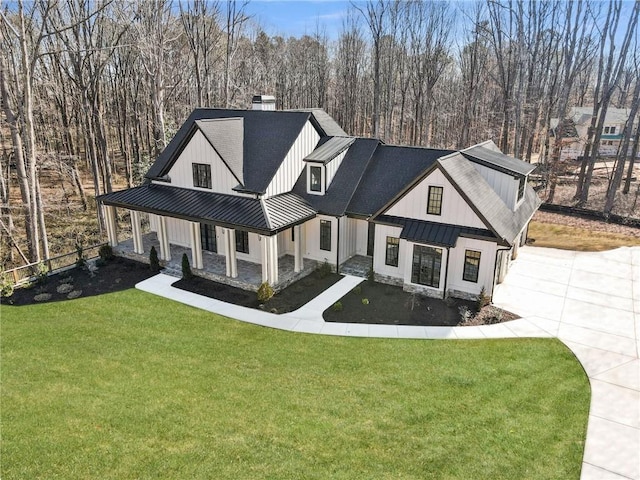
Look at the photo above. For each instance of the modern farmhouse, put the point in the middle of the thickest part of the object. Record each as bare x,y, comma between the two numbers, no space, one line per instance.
262,196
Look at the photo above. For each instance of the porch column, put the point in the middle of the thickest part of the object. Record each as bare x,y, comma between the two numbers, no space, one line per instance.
138,247
264,253
297,249
110,218
163,238
273,259
196,245
230,252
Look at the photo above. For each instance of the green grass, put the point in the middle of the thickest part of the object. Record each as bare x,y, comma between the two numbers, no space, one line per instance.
129,385
566,237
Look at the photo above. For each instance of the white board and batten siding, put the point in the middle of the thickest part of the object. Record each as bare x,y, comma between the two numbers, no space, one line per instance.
332,167
505,185
293,164
380,253
312,240
455,210
455,279
199,150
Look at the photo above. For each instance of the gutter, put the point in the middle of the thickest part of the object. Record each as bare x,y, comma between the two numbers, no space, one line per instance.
338,247
446,274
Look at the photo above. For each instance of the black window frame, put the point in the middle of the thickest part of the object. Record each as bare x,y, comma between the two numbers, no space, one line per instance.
434,200
521,185
392,251
312,169
471,269
201,175
325,235
426,261
242,241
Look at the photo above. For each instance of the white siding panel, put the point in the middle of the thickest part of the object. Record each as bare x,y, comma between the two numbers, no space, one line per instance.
293,164
455,209
506,186
199,150
487,263
362,233
347,238
178,231
312,240
379,253
332,168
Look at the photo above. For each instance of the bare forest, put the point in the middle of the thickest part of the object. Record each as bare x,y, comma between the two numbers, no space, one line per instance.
92,91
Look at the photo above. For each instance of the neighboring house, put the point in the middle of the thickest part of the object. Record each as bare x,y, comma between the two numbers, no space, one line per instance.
255,185
576,132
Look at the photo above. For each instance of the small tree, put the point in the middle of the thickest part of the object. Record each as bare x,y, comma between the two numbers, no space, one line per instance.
186,268
483,300
80,260
154,263
106,253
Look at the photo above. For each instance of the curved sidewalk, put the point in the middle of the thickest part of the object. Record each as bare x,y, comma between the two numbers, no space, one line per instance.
590,301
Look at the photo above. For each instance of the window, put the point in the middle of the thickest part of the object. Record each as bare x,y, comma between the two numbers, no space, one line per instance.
315,179
426,265
393,247
201,175
242,241
434,207
606,129
471,265
610,130
521,185
325,235
208,237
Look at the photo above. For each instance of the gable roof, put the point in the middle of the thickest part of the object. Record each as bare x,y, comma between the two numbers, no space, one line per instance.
487,154
226,136
268,136
323,121
377,187
487,204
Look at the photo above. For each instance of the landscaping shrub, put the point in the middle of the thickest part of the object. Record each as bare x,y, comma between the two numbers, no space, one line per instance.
64,288
265,292
40,272
106,253
186,268
42,297
74,294
6,286
80,260
365,301
154,263
483,300
324,269
337,307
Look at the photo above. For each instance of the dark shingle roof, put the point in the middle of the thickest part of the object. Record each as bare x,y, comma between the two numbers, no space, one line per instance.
329,150
495,159
268,136
433,233
324,121
391,169
232,211
345,181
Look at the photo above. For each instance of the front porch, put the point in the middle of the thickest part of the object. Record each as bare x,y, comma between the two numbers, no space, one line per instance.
214,265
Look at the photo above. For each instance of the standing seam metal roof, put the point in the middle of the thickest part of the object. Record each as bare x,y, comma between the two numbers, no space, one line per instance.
330,149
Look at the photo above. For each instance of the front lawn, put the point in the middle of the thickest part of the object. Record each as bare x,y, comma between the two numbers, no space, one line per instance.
129,385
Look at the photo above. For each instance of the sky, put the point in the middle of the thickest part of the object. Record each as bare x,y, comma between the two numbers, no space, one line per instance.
295,17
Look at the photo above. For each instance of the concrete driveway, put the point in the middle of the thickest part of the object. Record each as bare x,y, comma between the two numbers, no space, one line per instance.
591,302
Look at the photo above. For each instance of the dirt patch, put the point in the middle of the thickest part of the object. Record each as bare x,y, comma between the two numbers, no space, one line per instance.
287,300
118,274
378,303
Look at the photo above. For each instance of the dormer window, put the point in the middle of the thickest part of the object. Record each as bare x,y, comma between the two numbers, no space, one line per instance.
315,179
521,184
434,205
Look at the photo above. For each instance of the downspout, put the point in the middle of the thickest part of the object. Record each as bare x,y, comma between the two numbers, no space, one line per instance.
446,275
495,267
338,247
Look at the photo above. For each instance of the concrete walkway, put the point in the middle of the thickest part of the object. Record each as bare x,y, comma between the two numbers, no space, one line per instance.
590,301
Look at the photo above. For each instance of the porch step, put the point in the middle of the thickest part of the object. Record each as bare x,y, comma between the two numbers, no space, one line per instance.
172,271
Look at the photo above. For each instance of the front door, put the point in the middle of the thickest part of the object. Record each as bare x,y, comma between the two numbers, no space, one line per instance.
370,236
208,237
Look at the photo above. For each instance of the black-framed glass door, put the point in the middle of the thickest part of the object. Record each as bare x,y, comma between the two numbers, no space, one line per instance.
208,237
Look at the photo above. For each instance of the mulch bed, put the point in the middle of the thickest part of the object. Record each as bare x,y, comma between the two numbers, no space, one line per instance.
287,300
378,303
118,274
